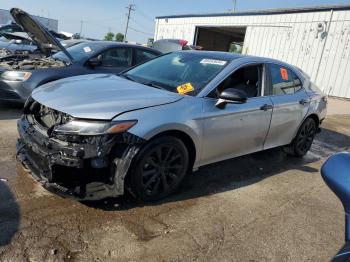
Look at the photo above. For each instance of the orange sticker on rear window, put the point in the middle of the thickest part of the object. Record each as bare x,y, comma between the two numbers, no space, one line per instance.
284,74
185,88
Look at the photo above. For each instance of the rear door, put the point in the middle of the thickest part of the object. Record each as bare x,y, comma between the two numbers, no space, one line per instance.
290,105
115,60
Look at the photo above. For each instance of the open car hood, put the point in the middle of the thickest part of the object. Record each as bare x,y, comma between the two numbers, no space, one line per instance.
39,34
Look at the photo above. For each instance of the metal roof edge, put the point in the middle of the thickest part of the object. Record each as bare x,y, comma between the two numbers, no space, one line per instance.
265,12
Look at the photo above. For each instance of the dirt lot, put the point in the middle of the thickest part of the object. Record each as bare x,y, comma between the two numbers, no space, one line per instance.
262,207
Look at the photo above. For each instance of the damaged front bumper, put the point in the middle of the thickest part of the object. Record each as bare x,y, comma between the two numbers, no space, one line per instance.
92,169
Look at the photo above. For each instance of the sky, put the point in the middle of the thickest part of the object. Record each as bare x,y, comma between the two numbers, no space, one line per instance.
97,17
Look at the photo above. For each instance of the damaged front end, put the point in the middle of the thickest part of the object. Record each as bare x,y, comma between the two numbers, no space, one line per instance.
86,167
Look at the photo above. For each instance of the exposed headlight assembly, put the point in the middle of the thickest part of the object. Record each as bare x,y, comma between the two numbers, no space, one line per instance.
16,75
93,128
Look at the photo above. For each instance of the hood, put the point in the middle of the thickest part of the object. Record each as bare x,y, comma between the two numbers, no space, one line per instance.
40,35
100,96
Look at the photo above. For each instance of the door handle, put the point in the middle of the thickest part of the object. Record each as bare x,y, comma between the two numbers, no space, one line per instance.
303,102
266,107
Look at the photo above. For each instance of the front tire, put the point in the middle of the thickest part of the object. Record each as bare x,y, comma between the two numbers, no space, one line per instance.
304,138
158,169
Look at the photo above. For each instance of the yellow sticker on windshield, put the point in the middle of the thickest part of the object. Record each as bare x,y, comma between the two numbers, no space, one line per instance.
185,88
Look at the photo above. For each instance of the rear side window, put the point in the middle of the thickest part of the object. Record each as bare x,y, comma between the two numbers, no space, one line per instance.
116,57
283,80
143,56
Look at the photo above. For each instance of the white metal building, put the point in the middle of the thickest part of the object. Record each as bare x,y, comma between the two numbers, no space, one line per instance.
51,24
316,39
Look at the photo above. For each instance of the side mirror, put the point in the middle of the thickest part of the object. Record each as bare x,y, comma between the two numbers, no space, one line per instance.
94,62
336,173
231,95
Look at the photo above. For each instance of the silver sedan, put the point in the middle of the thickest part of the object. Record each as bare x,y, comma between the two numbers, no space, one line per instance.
94,136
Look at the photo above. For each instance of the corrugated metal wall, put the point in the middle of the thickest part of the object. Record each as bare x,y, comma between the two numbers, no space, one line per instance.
293,38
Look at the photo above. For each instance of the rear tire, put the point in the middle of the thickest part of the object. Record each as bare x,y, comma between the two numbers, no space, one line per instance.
158,169
304,138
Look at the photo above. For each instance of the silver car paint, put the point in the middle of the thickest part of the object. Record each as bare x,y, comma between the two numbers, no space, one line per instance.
236,130
287,114
217,134
102,96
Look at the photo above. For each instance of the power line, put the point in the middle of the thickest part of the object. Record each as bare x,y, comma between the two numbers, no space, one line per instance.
139,31
140,24
130,8
145,16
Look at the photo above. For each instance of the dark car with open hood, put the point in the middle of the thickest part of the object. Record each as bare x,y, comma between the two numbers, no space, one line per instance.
19,77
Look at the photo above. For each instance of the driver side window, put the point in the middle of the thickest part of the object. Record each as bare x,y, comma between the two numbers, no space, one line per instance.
247,79
116,57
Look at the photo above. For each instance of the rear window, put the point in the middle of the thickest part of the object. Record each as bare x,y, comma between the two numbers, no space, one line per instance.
283,80
167,46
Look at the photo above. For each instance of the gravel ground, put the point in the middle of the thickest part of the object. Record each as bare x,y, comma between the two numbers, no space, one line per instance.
262,207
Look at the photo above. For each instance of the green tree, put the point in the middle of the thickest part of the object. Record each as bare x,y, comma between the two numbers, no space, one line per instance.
76,36
150,41
119,37
109,36
235,48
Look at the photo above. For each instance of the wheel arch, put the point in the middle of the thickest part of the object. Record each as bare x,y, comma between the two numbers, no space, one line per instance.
186,139
313,116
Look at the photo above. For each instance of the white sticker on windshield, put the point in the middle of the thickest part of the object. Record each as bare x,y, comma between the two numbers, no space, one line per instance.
213,62
87,49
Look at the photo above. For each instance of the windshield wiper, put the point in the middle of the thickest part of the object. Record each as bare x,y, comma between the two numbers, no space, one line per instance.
147,83
126,76
152,84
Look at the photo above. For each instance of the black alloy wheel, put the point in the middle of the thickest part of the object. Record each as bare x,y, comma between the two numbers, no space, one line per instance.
158,169
305,136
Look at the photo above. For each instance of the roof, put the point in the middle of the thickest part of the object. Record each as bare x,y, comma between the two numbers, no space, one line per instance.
213,54
266,12
109,44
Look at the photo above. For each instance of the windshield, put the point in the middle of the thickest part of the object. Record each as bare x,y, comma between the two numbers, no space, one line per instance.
78,52
182,72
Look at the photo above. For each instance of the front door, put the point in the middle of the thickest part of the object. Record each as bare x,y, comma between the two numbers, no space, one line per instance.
114,60
238,129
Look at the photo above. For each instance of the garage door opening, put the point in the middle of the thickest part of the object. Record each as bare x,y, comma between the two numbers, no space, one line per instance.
224,38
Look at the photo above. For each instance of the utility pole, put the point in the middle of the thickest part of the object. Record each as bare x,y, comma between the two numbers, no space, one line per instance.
130,8
234,5
81,27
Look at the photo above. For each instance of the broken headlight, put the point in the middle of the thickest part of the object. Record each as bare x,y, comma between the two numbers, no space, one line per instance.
15,75
93,128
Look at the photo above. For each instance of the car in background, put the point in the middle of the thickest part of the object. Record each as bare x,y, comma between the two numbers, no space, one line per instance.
16,43
72,42
19,77
10,28
94,136
172,45
336,173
